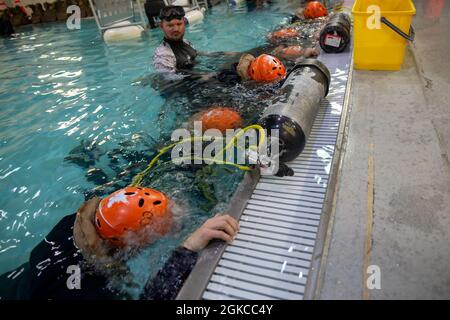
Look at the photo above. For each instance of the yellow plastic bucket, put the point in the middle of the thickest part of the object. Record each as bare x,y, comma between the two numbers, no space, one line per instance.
382,29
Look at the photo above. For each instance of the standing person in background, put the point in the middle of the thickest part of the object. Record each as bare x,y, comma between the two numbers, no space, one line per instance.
152,9
6,28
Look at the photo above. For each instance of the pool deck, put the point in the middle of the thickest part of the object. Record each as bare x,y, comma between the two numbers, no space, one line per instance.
398,143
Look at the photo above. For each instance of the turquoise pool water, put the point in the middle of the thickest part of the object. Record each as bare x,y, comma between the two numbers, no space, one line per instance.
62,88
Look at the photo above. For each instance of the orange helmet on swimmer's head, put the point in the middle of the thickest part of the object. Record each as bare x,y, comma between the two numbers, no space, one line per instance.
285,33
315,9
221,118
130,210
266,68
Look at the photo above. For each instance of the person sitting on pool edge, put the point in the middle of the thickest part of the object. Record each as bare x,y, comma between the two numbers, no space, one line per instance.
99,238
176,55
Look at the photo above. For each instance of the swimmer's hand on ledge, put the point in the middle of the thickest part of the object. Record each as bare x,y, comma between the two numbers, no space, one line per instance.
223,227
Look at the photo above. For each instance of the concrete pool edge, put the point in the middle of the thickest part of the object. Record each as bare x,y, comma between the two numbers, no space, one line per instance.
315,279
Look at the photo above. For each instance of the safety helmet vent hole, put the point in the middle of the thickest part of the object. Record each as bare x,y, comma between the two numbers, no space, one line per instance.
156,202
147,194
98,223
129,193
274,68
141,202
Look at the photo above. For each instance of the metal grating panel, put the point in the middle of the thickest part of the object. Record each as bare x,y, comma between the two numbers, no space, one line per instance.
272,254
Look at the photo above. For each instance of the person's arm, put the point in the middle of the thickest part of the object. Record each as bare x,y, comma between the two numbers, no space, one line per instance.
218,54
31,280
213,54
165,63
169,280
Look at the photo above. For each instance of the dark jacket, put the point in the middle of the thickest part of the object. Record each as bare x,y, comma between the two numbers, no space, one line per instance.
6,28
45,275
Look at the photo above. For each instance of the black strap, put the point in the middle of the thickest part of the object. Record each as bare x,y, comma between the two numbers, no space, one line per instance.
409,37
184,53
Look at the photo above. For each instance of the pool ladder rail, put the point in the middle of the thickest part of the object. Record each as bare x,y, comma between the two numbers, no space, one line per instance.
109,13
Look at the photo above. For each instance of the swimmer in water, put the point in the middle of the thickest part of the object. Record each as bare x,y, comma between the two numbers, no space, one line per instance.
98,238
175,56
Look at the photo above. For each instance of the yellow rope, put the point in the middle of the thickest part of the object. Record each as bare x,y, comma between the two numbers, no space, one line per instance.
140,176
217,161
241,132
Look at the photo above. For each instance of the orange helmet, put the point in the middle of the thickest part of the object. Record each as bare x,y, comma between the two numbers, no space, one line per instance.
130,210
315,9
266,68
221,118
285,33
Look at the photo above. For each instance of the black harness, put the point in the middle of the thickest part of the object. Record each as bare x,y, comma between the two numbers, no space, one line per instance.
184,53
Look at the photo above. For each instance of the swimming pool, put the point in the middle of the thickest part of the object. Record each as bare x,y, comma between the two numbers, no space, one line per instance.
64,89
